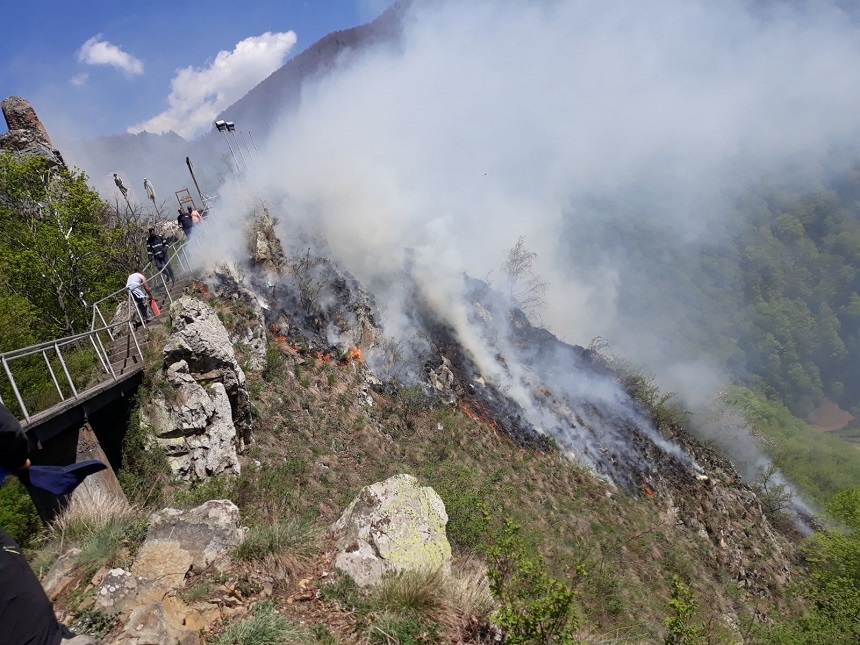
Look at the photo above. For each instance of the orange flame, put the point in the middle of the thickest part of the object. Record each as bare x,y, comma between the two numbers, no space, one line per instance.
276,332
478,416
322,357
352,356
648,492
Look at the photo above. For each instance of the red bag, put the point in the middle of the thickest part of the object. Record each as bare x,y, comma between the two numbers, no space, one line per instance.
154,306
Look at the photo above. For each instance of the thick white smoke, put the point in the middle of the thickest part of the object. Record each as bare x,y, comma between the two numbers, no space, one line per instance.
495,119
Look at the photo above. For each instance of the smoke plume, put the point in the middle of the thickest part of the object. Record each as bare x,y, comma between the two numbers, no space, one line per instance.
558,121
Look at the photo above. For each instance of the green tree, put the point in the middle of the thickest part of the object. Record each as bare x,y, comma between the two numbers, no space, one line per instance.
57,243
833,587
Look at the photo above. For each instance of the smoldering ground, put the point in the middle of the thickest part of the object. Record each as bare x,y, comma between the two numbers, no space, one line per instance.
560,121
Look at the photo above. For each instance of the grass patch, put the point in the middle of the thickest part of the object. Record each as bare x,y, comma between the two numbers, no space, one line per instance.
100,526
266,627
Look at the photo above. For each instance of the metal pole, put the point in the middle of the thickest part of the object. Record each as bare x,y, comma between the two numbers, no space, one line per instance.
66,370
107,357
104,324
53,378
194,179
101,360
239,148
15,390
254,142
134,337
246,145
236,161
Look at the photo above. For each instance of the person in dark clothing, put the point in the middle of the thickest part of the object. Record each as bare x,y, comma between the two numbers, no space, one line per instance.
185,222
26,615
156,248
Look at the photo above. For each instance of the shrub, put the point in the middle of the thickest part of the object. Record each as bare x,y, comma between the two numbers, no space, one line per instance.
683,605
420,595
284,536
18,516
535,609
393,629
265,627
101,526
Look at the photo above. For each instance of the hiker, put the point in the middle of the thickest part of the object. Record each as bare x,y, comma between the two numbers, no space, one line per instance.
26,615
118,181
156,248
186,222
136,283
195,216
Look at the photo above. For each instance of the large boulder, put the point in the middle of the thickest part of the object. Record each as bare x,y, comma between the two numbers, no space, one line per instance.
178,543
203,417
199,338
392,526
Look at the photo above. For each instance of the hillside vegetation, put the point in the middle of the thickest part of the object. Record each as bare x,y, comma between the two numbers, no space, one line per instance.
559,545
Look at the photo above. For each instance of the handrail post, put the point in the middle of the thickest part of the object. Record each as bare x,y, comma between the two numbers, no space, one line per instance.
95,347
53,377
15,390
134,338
166,290
66,370
104,323
107,357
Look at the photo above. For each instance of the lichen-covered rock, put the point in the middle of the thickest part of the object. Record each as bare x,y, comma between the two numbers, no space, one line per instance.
392,526
178,542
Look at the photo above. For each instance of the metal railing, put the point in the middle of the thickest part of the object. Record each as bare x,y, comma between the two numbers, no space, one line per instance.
123,296
100,337
61,350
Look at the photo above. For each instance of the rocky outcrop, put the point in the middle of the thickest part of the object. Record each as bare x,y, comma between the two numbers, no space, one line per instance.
177,544
264,246
203,417
392,526
26,132
250,333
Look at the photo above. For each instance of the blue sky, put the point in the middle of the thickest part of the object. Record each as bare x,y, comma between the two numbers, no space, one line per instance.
92,67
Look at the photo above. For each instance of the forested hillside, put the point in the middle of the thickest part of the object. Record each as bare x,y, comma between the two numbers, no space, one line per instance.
771,295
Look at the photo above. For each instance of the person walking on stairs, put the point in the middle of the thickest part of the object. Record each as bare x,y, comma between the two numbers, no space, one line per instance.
156,248
136,284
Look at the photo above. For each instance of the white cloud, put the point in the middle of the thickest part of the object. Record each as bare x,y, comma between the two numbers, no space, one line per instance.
79,80
97,51
197,95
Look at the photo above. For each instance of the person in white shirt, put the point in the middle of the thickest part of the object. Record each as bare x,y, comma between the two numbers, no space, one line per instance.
136,283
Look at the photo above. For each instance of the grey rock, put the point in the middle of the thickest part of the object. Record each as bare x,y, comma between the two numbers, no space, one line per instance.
59,575
392,526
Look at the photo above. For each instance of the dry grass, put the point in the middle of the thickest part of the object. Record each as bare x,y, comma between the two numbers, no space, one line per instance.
434,596
469,590
84,517
100,525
